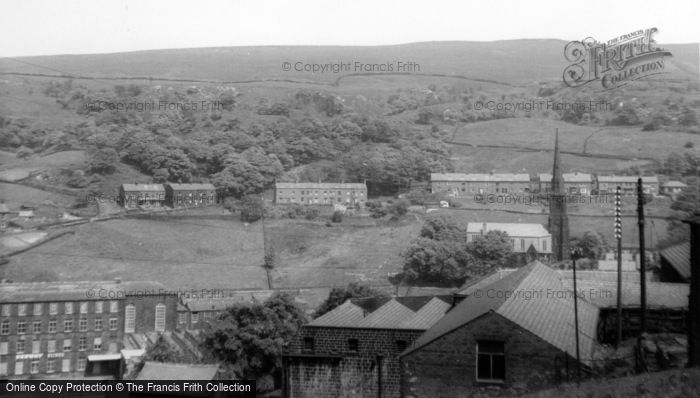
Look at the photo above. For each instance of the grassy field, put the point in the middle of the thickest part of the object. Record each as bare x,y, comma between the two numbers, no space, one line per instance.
539,134
677,383
655,229
185,253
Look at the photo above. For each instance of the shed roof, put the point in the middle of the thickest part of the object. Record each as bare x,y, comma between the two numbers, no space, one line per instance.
678,257
176,371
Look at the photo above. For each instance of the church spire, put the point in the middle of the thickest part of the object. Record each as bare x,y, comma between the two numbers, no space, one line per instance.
557,178
558,219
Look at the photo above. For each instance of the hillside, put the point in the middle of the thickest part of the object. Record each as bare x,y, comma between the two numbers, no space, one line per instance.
511,62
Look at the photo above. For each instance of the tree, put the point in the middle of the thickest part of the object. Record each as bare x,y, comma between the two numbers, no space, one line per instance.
490,250
339,295
399,208
443,263
442,228
592,245
103,160
251,209
337,216
249,339
24,153
162,351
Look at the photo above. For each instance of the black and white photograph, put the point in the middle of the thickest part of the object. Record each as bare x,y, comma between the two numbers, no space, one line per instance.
355,199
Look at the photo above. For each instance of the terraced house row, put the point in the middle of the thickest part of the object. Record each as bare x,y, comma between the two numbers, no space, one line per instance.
465,185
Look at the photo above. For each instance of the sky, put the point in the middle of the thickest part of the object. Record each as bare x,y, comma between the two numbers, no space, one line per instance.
47,27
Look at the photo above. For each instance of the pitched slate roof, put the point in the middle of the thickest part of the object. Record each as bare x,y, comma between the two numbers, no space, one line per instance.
628,179
345,315
415,313
176,371
678,257
144,187
484,281
460,177
77,290
512,229
192,187
674,184
319,185
549,317
568,177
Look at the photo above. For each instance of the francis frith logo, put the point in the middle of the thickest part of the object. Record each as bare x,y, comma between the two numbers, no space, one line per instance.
615,63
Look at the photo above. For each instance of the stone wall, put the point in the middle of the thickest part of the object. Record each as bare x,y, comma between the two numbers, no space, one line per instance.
447,366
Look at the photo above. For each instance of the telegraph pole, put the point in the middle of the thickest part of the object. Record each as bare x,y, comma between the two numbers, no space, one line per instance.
642,255
618,236
575,254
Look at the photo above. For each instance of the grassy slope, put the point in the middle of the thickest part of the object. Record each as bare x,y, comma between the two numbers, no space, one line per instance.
510,61
539,134
670,384
205,253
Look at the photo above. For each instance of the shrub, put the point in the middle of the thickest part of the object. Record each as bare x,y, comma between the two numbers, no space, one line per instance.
311,213
337,216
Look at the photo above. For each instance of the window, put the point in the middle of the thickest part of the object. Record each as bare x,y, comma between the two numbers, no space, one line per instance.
401,345
52,326
195,317
353,345
67,345
4,348
98,324
69,308
544,245
19,347
37,309
5,327
36,328
65,365
97,345
3,368
51,346
19,367
491,364
112,323
82,324
6,309
81,364
98,307
308,344
36,346
21,327
182,317
82,343
113,306
22,309
130,319
522,244
160,318
53,308
51,365
68,326
83,307
35,367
